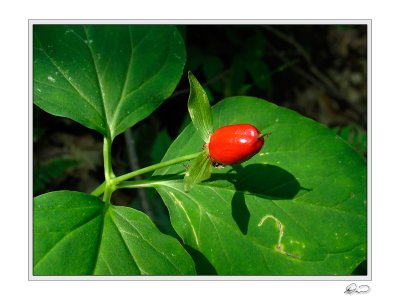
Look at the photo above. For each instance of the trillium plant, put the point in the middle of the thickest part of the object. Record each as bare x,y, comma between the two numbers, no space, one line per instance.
292,204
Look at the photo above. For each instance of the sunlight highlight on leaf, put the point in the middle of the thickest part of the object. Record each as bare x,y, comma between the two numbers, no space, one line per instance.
106,77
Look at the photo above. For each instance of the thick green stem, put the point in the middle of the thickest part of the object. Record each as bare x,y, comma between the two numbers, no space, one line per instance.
107,193
108,172
107,187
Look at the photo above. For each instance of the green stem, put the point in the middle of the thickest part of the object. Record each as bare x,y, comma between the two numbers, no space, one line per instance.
107,194
108,172
117,180
99,190
107,187
155,167
137,184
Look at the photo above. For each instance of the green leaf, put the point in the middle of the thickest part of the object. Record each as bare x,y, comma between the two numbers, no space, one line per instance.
74,234
199,171
199,109
296,208
105,77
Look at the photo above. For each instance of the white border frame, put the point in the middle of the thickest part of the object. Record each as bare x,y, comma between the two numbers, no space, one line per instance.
367,22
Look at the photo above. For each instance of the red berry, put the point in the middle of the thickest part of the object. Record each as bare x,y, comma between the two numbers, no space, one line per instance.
235,143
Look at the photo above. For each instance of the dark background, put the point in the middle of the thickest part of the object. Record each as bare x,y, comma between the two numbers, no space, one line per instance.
319,71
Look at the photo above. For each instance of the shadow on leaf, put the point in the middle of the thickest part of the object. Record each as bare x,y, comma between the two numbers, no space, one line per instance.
240,212
266,181
203,265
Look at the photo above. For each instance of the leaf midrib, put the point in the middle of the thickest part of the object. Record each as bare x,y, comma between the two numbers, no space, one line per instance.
65,236
100,87
128,71
144,83
143,238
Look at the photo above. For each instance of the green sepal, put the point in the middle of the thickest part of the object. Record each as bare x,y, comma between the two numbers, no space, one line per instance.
199,171
199,109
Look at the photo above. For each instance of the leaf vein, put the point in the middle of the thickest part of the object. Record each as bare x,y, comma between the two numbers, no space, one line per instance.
127,248
98,78
123,91
144,239
140,87
63,237
220,241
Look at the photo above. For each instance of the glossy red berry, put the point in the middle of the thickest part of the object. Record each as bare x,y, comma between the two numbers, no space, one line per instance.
235,143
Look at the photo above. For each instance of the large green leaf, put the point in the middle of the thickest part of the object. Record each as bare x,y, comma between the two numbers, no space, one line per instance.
296,208
105,77
74,234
